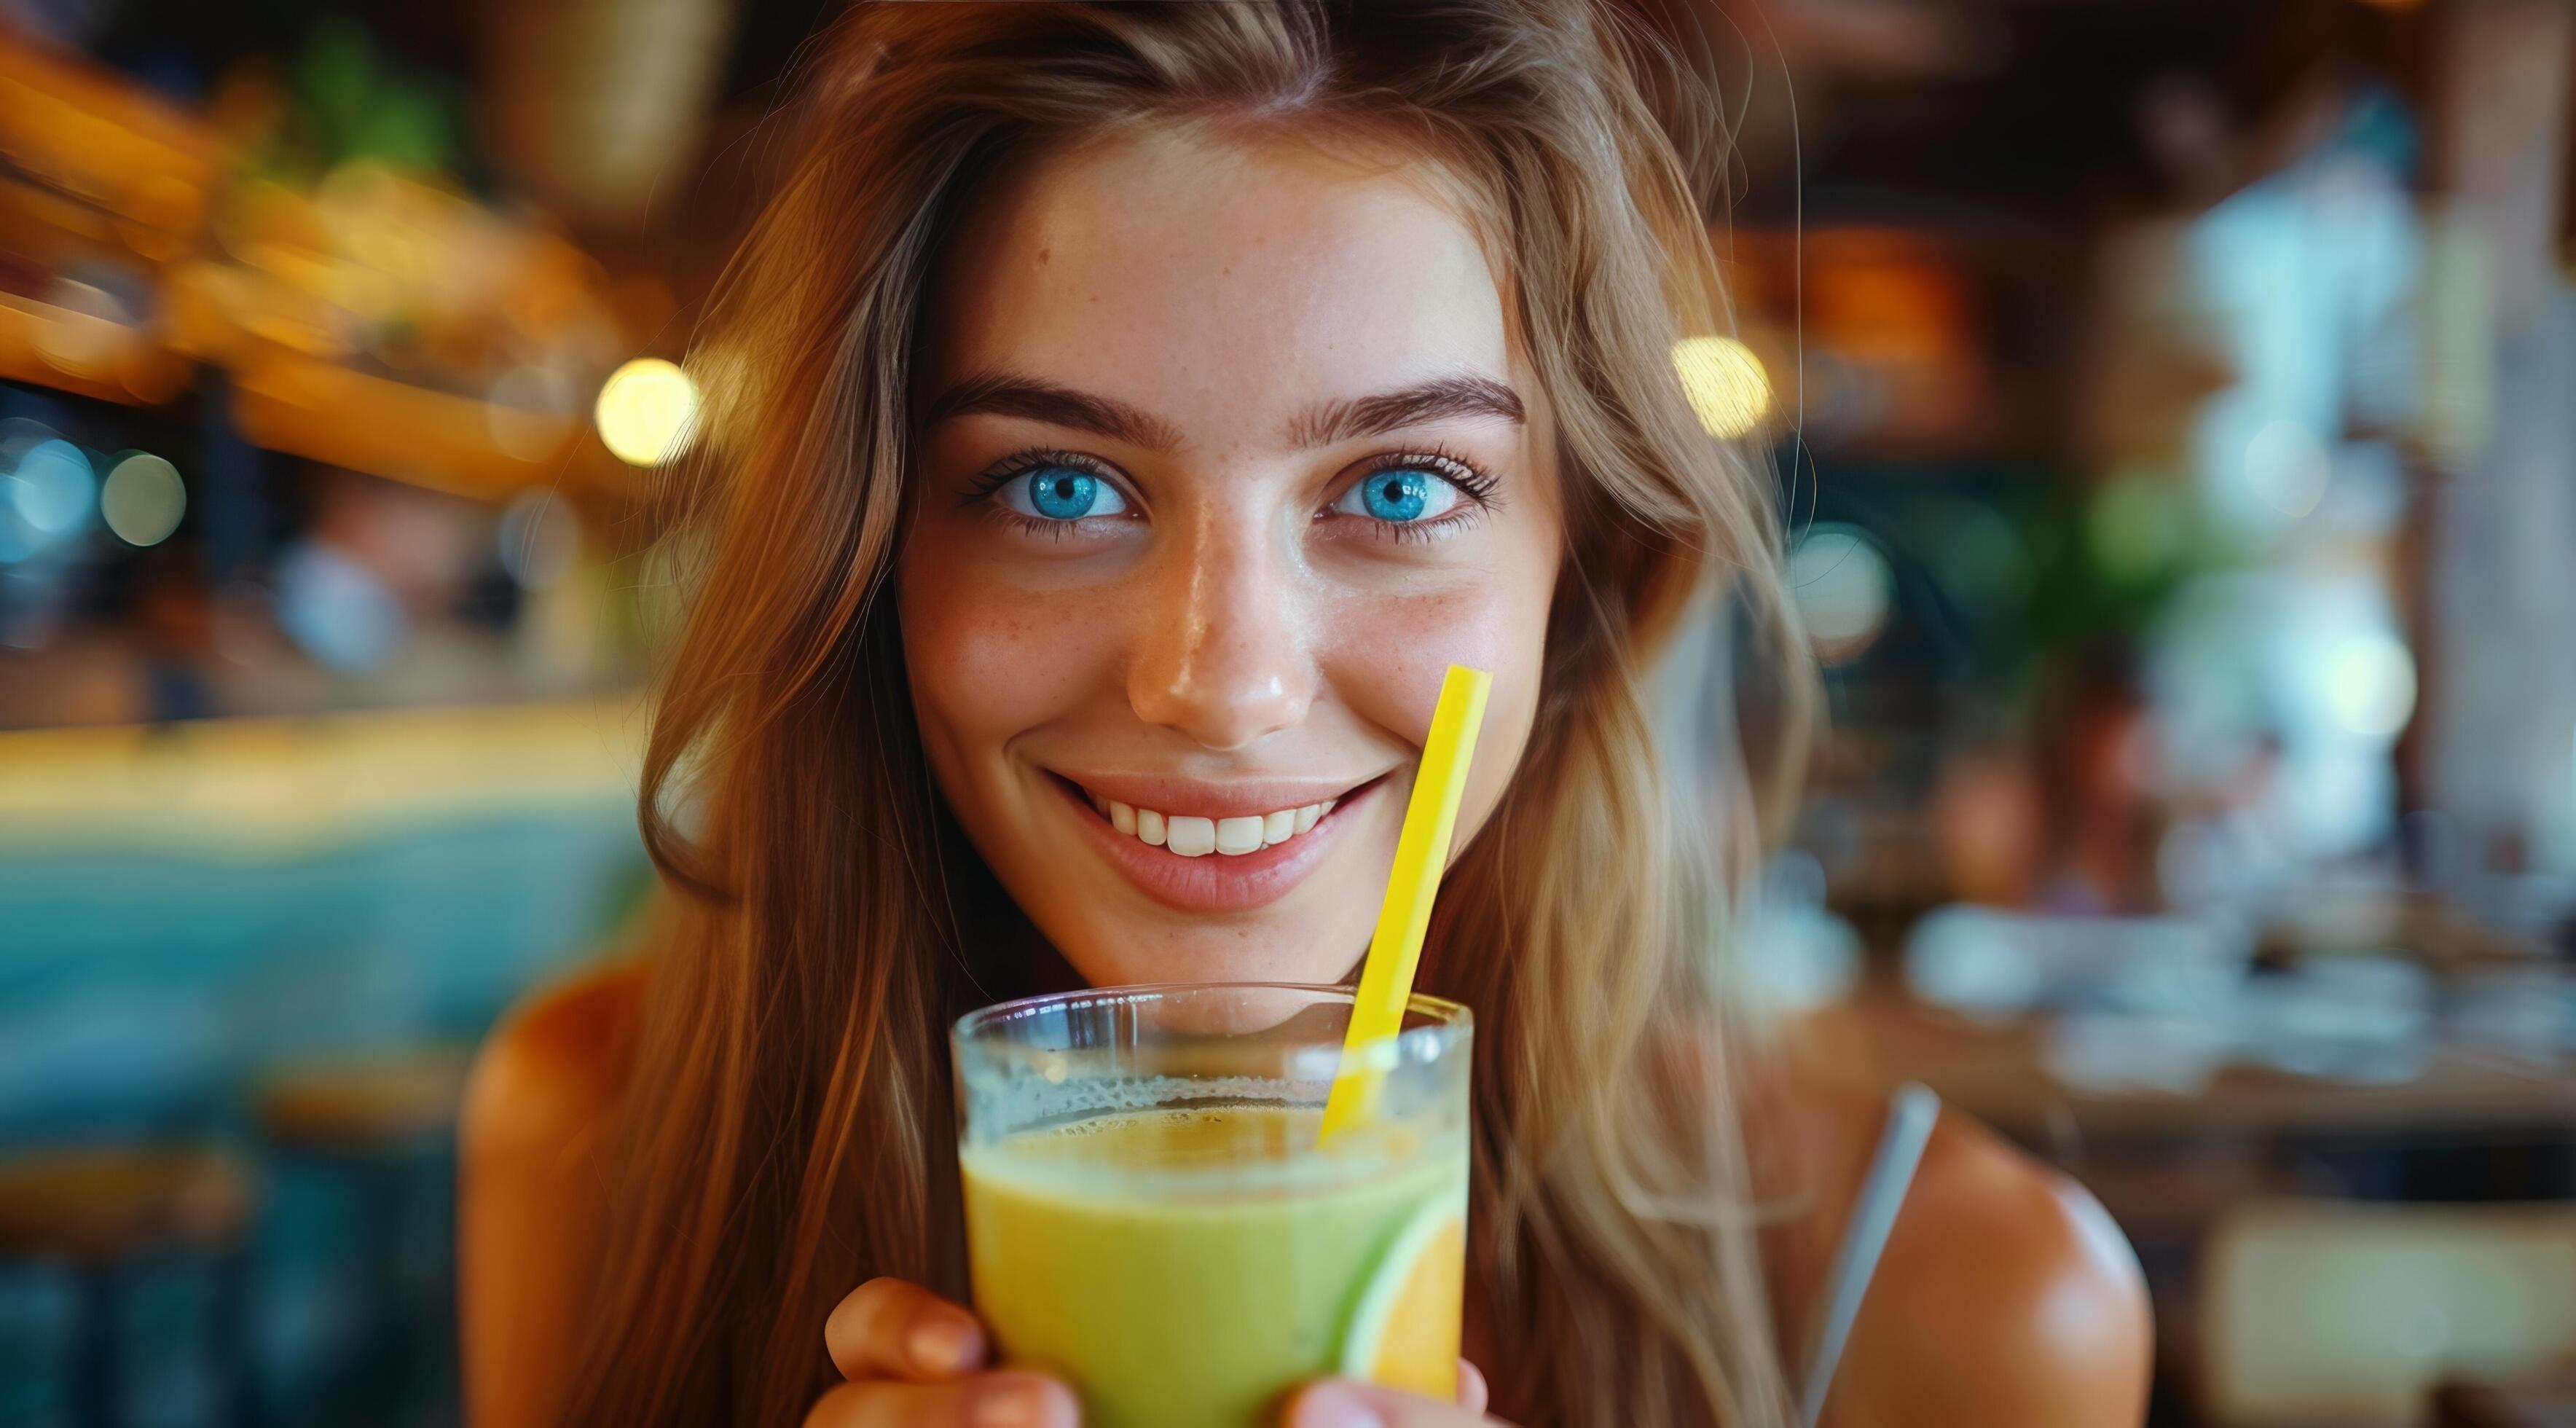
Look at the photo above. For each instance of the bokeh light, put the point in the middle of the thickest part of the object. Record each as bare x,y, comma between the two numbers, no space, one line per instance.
1843,585
647,411
2370,685
143,499
53,487
2288,467
1725,383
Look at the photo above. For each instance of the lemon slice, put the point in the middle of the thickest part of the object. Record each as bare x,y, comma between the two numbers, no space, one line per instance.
1404,1334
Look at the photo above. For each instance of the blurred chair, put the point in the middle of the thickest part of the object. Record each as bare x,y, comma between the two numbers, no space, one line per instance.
2331,1312
379,1130
109,1215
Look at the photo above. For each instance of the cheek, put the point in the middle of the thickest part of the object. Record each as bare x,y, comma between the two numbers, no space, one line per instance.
987,660
1386,656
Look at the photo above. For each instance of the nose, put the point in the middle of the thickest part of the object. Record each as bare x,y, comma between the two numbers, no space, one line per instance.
1220,651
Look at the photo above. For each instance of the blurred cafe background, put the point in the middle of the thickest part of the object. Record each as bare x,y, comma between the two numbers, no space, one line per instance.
2175,402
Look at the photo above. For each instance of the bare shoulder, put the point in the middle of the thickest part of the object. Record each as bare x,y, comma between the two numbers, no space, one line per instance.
556,1066
2005,1298
533,1190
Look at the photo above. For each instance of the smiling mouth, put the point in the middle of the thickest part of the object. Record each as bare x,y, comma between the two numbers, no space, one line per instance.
1190,835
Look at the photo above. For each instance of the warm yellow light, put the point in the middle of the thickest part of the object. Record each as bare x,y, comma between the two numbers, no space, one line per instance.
1725,383
647,411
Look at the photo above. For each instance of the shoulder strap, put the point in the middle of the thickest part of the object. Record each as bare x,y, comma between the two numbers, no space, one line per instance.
1910,1114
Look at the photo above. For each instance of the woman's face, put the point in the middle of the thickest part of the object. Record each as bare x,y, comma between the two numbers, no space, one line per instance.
1227,457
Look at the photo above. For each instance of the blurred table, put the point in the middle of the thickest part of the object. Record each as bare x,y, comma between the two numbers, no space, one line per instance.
1882,1037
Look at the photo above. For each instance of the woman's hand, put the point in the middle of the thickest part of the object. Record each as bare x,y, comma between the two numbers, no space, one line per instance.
912,1357
1339,1403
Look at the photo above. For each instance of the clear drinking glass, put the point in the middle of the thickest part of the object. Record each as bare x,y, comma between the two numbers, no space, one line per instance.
1150,1215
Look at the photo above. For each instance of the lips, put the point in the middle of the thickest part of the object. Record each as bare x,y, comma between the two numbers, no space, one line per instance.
1212,848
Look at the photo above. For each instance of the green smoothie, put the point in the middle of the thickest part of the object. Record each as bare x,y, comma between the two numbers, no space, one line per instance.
1184,1267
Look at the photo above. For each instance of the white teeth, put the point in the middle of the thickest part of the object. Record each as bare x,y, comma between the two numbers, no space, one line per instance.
1197,837
1238,836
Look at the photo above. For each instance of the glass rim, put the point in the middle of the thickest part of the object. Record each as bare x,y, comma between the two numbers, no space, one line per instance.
1451,1022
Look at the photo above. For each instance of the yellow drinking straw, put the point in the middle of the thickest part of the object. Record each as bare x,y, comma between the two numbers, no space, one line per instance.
1421,855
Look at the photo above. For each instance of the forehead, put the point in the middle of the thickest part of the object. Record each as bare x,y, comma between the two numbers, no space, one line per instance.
1220,283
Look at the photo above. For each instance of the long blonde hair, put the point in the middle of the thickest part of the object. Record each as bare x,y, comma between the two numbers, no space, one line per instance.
790,1134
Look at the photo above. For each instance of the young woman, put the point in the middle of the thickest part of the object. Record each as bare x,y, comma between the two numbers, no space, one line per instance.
1139,407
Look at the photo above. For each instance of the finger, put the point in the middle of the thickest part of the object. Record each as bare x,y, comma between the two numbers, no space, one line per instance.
1340,1404
987,1400
1472,1394
887,1328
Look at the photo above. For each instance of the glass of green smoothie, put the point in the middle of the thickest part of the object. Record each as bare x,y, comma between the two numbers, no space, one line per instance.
1151,1215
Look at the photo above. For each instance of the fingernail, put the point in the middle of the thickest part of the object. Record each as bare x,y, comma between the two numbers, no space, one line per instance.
941,1342
1011,1405
1330,1405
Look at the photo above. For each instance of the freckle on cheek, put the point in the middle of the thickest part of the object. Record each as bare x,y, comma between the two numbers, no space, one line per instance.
1009,661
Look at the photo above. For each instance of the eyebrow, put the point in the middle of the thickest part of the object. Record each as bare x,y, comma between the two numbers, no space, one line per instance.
1324,424
1439,399
1010,394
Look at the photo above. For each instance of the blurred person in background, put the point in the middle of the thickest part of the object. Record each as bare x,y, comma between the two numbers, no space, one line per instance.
2071,823
1013,512
382,558
2098,790
1988,825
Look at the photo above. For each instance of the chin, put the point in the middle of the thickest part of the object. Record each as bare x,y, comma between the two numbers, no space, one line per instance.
1212,952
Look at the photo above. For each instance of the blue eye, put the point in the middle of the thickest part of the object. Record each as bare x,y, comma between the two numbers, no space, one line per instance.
1400,495
1061,493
